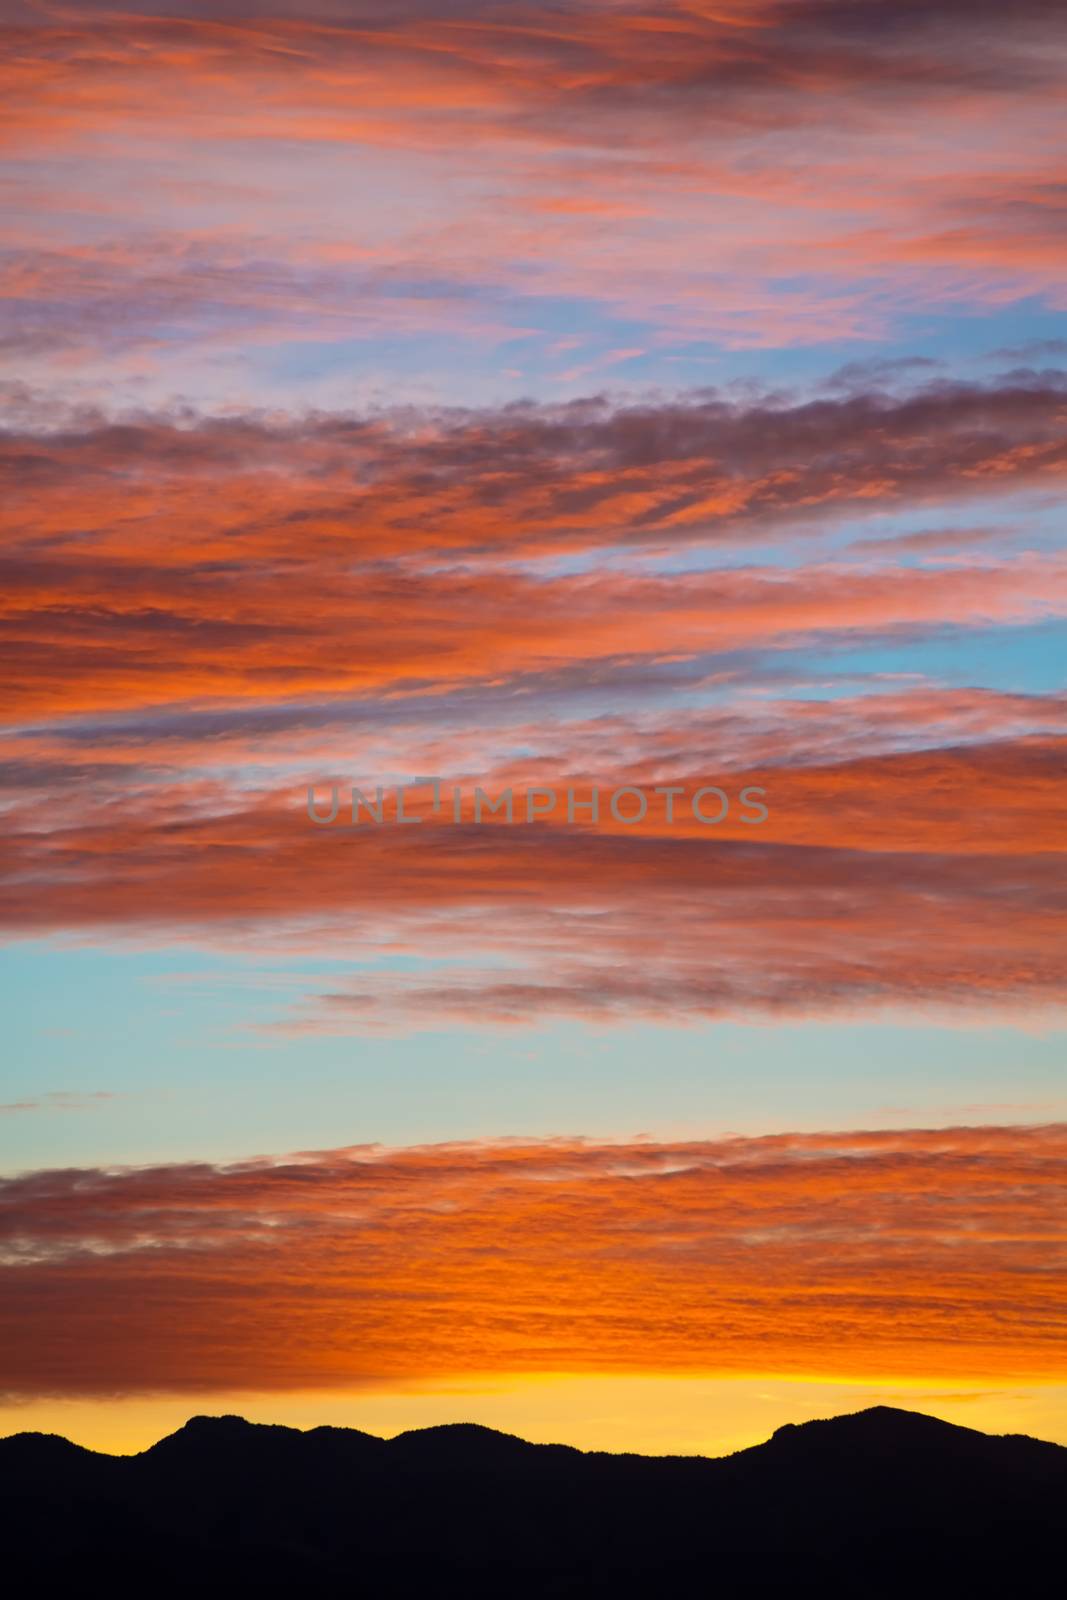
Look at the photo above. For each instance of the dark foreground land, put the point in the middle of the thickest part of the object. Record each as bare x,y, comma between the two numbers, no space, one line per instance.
885,1502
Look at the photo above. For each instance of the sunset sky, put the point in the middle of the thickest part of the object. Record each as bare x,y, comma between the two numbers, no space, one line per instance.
532,395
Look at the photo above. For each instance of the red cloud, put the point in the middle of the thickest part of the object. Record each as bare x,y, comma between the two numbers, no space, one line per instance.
894,153
875,1254
152,561
927,880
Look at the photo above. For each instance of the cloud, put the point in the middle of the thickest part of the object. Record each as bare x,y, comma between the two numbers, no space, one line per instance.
927,880
174,559
817,173
226,609
58,1100
581,75
883,370
890,1254
934,541
1029,351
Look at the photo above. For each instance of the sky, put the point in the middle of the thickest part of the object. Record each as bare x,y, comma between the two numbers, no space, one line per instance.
647,398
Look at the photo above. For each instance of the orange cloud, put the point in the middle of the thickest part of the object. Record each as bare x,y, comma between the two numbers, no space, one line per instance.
569,77
747,137
926,880
205,590
157,560
891,1254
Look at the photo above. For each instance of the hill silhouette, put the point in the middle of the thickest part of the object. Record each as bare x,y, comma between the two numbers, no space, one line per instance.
878,1503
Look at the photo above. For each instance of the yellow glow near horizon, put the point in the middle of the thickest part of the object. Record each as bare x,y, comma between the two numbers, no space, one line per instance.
654,1415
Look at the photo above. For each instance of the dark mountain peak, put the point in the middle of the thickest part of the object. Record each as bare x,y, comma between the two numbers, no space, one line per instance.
233,1429
226,1437
882,1502
887,1440
44,1447
48,1458
227,1426
235,1447
469,1447
325,1433
459,1439
886,1423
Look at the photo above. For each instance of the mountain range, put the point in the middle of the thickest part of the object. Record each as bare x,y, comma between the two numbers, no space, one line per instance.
882,1502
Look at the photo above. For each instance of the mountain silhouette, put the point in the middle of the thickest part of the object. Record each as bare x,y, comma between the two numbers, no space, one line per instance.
883,1502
